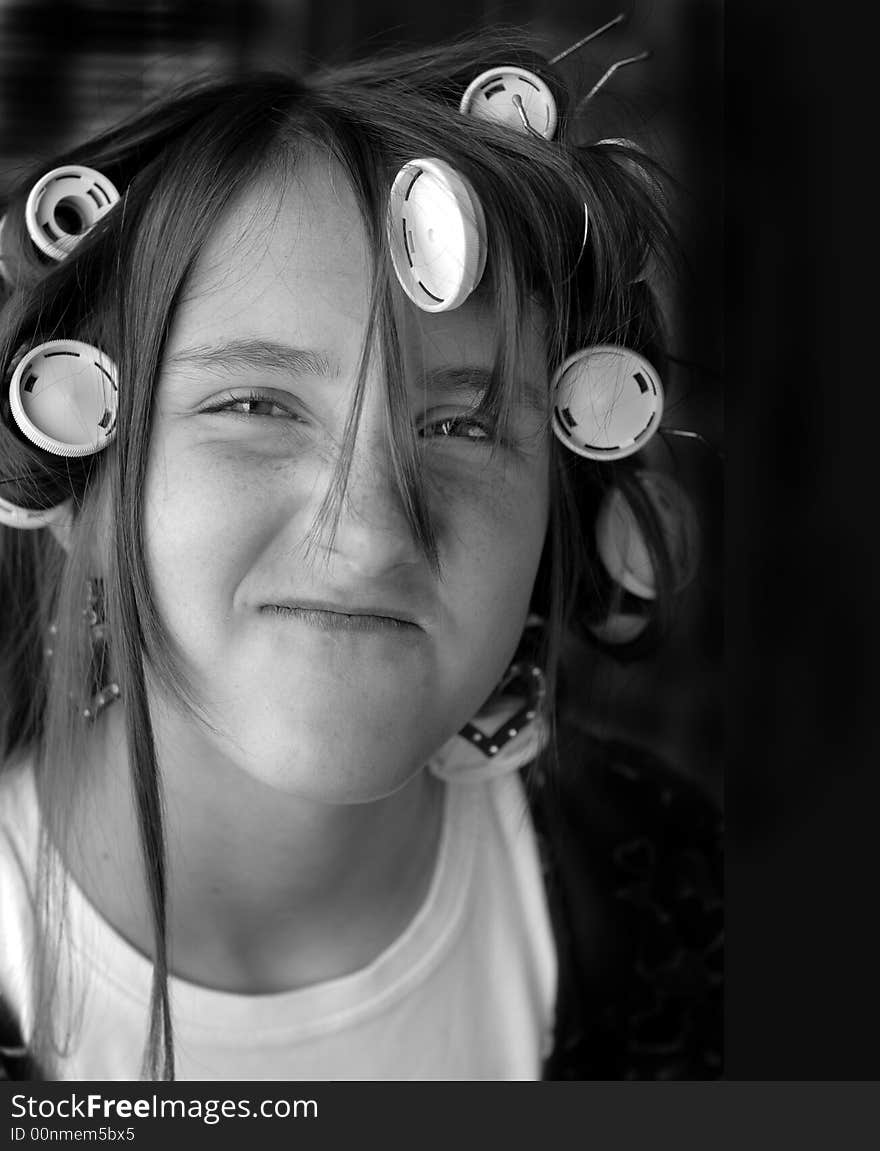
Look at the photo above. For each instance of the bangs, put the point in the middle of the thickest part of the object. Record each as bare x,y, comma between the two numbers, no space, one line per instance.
534,212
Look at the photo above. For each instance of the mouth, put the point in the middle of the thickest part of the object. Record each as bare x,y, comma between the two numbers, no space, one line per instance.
334,617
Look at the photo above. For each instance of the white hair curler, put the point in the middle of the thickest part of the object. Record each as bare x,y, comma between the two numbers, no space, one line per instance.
620,627
512,96
436,233
27,519
622,547
64,205
63,396
607,402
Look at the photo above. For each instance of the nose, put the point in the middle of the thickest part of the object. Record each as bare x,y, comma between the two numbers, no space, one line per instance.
369,534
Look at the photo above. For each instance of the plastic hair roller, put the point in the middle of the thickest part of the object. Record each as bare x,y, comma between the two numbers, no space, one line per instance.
620,627
63,396
436,233
512,96
27,519
64,205
607,402
622,547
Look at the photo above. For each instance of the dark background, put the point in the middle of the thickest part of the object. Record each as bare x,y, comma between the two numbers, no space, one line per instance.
803,408
70,67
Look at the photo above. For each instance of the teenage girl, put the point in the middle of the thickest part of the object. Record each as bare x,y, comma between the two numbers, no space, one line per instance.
322,404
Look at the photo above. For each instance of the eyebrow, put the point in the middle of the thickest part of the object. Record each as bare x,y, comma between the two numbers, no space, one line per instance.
268,355
467,381
275,356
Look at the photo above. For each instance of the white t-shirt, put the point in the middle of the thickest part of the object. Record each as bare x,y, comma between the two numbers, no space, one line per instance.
466,992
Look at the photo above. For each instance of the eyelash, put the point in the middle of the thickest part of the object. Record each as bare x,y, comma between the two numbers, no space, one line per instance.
447,423
458,421
227,404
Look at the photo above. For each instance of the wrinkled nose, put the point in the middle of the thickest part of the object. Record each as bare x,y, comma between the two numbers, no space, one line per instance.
372,533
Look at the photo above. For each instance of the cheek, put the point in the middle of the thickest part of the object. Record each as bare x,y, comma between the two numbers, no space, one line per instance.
201,531
495,529
495,518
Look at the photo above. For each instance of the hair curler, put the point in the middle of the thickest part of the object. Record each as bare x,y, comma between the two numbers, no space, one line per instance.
64,205
512,96
63,397
623,549
607,402
436,233
27,519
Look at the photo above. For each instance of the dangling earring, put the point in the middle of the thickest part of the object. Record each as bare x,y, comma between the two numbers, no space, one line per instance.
104,694
513,728
531,677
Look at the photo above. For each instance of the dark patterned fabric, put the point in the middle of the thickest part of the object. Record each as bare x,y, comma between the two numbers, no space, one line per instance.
633,863
632,858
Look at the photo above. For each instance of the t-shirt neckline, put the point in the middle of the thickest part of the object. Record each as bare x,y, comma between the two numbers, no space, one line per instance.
316,1008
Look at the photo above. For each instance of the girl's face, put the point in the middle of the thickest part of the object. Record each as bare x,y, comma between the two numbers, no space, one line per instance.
332,667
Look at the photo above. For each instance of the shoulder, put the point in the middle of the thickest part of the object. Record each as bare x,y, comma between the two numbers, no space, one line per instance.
635,872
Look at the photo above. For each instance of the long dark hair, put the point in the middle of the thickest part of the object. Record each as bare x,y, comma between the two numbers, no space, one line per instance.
179,165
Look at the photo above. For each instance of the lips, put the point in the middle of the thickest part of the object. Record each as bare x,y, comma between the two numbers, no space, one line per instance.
334,615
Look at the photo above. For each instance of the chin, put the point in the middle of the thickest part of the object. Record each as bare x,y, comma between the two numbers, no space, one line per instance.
342,765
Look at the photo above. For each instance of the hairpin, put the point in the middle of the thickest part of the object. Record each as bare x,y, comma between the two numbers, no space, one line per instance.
619,18
607,76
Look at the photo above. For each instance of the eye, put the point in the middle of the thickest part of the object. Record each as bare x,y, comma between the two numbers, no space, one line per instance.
459,427
252,404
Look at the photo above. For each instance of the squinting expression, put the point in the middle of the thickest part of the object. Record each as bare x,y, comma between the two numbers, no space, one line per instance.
331,667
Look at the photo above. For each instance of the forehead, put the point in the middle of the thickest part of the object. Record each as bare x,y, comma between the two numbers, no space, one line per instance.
291,262
285,256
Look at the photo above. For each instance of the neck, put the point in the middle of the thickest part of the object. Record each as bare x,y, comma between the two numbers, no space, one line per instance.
266,891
